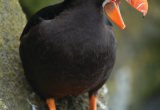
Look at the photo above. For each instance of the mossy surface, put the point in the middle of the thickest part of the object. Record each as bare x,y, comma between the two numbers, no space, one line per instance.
14,90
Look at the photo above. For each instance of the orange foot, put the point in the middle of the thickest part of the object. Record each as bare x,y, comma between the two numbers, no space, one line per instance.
51,104
93,102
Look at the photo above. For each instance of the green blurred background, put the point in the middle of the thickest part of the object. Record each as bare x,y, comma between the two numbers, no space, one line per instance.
135,80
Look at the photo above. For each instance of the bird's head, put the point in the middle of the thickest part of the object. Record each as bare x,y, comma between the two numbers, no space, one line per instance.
111,9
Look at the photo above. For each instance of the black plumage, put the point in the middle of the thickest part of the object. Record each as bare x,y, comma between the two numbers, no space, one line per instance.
67,49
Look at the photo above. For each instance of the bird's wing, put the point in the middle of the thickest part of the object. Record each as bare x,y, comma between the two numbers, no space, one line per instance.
46,13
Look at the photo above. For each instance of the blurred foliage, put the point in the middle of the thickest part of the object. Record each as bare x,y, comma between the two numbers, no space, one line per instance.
32,6
138,50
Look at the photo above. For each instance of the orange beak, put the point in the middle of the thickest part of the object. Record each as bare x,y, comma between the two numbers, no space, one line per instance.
112,10
140,5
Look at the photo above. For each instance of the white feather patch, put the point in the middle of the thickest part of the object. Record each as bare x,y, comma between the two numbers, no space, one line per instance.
105,2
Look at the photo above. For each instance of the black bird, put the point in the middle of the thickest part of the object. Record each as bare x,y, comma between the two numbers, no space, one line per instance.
67,49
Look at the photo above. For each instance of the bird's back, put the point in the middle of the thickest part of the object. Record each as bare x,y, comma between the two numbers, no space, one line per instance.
68,54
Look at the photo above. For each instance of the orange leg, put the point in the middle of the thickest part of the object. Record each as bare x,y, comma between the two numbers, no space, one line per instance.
51,104
93,102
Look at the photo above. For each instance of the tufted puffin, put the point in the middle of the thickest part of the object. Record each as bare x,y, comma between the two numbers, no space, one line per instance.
67,49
